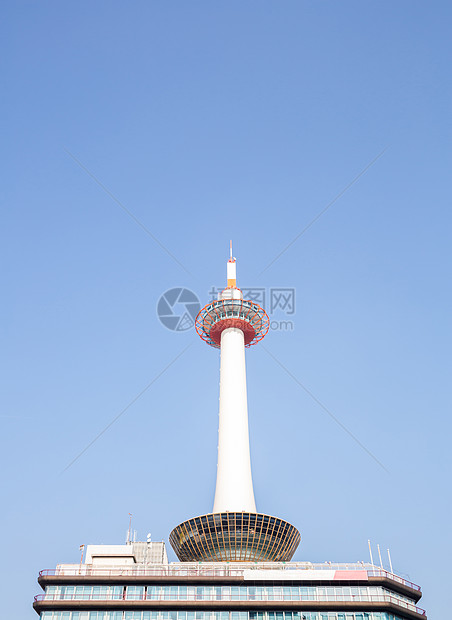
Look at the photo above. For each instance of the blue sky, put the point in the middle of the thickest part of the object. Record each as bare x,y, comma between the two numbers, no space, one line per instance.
212,120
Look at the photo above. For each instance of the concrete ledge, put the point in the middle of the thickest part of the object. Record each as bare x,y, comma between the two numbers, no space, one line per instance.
230,606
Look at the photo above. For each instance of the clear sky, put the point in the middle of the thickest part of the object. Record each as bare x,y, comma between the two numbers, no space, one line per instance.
206,121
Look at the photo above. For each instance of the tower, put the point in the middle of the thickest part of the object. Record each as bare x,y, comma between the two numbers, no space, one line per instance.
234,560
234,531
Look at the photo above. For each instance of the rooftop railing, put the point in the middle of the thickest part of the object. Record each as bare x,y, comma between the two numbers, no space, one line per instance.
381,572
206,569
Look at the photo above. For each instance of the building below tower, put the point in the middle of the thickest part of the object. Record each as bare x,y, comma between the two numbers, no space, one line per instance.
136,582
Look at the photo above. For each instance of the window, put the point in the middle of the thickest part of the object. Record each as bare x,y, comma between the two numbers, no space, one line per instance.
134,593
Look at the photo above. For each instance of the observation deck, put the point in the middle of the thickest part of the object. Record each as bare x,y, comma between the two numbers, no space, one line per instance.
224,313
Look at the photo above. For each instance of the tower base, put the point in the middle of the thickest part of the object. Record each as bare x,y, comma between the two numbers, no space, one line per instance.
235,537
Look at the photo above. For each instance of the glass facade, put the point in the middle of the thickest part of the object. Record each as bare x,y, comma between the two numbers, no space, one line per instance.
81,593
216,615
270,593
235,537
220,593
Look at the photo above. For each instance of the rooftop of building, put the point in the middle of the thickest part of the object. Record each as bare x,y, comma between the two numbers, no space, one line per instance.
148,561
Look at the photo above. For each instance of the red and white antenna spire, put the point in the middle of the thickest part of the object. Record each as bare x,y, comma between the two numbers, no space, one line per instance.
231,269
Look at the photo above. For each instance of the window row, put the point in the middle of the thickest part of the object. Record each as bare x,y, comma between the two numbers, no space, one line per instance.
219,593
267,593
212,615
90,592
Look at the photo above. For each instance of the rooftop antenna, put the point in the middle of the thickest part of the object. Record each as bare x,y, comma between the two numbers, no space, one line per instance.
82,549
379,555
128,531
230,250
390,563
370,553
148,537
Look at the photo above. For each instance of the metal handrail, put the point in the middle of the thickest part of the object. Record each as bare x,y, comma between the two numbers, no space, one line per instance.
381,572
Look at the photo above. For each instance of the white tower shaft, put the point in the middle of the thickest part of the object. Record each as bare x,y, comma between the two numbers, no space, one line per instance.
234,488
